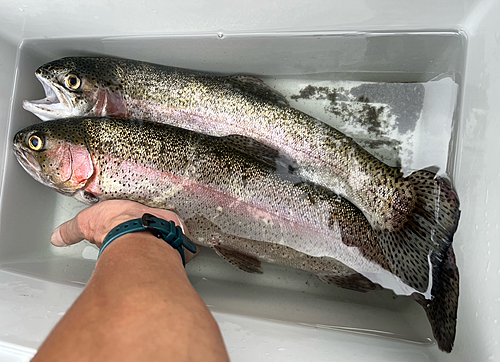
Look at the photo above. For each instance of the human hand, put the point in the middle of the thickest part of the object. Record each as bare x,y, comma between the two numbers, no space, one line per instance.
96,221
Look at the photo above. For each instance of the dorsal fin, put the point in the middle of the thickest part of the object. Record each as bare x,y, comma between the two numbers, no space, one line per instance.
255,86
262,153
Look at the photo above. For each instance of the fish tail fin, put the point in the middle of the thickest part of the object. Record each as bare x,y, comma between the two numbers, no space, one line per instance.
442,310
418,252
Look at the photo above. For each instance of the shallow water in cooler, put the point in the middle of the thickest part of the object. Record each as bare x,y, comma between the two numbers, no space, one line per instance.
395,93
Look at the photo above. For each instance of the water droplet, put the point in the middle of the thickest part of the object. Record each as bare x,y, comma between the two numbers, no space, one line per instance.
281,349
220,35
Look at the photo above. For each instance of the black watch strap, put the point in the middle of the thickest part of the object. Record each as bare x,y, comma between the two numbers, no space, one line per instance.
162,229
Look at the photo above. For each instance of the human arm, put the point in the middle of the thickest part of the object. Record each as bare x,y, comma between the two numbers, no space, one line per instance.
138,305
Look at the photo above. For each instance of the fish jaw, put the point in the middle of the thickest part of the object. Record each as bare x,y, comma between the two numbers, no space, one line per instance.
57,103
33,168
30,165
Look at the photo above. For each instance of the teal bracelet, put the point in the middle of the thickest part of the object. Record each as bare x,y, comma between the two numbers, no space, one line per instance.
162,229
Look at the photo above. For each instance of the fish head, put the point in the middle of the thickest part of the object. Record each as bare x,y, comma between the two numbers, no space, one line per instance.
77,87
55,157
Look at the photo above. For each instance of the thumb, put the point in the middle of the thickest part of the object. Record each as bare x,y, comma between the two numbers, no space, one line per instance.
68,233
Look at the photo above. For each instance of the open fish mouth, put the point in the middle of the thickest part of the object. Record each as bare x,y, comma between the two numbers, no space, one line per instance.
56,104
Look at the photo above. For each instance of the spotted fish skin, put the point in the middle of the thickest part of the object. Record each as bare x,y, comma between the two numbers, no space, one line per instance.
203,176
255,210
221,106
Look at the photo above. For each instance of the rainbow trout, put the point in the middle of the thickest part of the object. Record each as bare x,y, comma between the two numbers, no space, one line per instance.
221,106
247,208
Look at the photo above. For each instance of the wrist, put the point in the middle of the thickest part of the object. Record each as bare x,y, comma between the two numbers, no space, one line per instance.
141,247
165,230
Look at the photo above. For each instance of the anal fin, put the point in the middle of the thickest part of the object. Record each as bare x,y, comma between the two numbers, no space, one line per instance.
354,281
242,261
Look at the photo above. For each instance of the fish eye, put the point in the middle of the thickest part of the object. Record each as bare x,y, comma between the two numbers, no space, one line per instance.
35,142
72,81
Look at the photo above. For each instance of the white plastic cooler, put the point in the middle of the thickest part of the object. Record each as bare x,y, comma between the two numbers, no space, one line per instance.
283,315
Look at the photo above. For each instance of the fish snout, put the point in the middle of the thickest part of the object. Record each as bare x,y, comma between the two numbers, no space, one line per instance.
26,159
